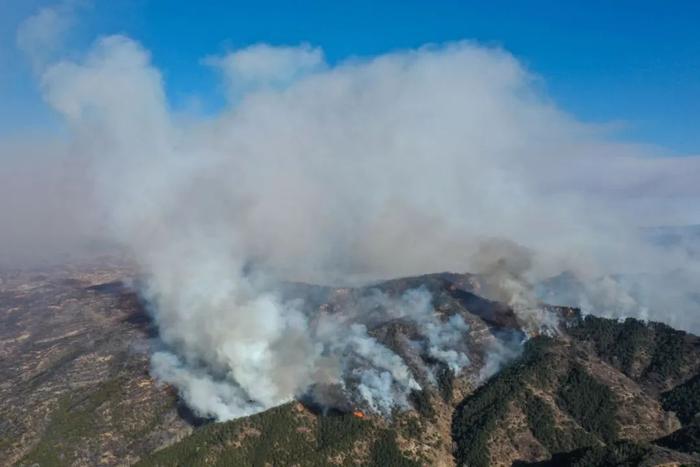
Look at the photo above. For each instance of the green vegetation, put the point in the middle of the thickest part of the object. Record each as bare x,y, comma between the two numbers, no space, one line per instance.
684,399
619,454
385,452
591,403
669,352
421,401
70,422
540,419
619,342
637,348
445,382
282,436
623,453
586,400
477,417
687,439
339,433
411,428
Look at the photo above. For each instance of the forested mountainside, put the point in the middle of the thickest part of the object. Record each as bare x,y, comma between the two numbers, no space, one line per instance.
76,389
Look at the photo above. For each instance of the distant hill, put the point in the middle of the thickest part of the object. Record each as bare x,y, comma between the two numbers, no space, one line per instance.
688,235
75,388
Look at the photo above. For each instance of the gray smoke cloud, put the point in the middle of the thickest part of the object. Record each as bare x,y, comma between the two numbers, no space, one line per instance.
41,36
440,158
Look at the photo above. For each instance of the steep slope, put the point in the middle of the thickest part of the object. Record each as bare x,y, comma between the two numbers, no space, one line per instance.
558,404
74,382
76,389
653,354
557,397
596,384
288,435
619,453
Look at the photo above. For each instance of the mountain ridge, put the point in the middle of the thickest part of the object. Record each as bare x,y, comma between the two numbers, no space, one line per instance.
76,344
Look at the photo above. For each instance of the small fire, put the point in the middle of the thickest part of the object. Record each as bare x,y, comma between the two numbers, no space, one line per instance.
358,414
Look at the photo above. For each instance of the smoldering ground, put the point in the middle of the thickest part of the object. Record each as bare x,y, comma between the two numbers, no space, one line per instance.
447,157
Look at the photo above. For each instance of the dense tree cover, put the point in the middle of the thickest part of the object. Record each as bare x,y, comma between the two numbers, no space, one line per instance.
592,404
478,415
540,419
669,354
280,436
687,439
620,342
421,401
445,382
637,348
684,399
385,452
619,454
338,432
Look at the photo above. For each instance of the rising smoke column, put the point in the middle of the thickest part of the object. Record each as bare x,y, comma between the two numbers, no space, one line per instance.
398,165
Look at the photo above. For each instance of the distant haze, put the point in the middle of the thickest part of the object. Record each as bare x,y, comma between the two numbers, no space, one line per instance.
447,157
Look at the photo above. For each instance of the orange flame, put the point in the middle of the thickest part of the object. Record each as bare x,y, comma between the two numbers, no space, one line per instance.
359,414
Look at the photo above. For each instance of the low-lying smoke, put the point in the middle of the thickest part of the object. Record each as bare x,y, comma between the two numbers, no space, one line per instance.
441,158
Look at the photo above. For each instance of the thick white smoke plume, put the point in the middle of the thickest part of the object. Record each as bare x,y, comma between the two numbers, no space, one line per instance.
406,163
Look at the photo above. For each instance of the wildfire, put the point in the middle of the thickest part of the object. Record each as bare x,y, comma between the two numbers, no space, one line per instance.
358,414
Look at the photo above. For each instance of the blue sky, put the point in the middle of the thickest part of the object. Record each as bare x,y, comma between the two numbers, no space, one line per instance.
635,64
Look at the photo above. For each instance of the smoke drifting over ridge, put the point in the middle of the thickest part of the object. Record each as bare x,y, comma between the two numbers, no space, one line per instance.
441,158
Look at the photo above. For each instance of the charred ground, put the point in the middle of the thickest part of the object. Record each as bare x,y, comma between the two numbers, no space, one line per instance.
76,390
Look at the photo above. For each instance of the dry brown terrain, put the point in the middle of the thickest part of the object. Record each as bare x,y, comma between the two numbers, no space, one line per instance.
75,388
